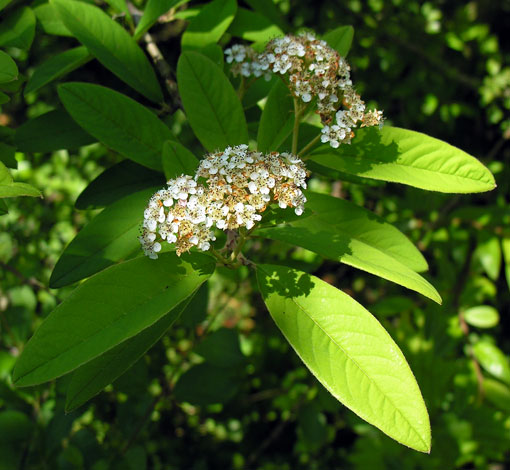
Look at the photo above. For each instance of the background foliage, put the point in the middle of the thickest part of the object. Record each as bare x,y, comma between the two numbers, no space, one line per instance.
435,67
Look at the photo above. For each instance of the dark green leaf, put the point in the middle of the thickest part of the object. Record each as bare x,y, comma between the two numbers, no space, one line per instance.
211,104
89,379
15,426
340,39
107,309
117,121
205,384
4,98
51,131
111,45
57,67
271,11
196,311
18,29
277,119
118,181
178,160
408,157
107,239
7,153
221,348
253,27
348,351
8,68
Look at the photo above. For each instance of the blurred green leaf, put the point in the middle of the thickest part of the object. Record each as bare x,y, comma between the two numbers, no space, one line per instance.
8,68
253,27
107,309
408,157
18,29
51,131
57,66
221,348
111,45
348,351
211,104
7,153
481,316
493,360
505,244
497,393
488,254
196,311
117,121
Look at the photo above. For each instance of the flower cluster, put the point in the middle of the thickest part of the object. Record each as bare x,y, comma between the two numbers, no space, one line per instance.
314,70
230,190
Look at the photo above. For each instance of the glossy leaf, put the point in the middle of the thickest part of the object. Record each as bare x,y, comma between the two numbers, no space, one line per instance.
117,121
348,351
107,309
57,67
209,25
8,68
340,39
51,131
8,188
110,237
118,181
493,360
211,104
89,379
153,10
408,157
481,316
253,27
111,45
277,119
177,160
18,29
341,231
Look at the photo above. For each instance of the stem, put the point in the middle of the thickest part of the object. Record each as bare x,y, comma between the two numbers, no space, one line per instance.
295,130
308,147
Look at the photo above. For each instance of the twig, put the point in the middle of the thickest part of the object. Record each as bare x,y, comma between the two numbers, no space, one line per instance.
32,282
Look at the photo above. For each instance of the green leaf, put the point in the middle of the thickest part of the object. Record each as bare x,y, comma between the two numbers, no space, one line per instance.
178,160
271,11
505,248
15,426
50,21
277,119
153,10
57,67
10,189
205,384
488,254
342,231
7,153
408,157
110,237
8,68
51,131
117,121
340,39
253,27
481,316
4,98
3,207
493,360
4,3
89,379
497,393
111,45
107,309
348,351
118,181
211,104
196,311
18,29
221,348
209,25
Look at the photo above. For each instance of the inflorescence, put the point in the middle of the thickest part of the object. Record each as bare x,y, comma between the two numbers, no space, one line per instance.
229,190
313,70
